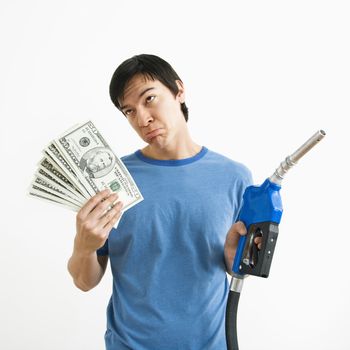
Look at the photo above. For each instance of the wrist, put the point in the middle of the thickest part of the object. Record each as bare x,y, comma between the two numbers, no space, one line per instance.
82,252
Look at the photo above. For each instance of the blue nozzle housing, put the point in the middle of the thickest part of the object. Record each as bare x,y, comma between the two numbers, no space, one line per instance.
260,204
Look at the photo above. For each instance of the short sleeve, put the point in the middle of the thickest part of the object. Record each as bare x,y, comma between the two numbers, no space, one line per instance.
245,181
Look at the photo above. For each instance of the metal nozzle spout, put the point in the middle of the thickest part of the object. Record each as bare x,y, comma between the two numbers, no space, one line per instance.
291,160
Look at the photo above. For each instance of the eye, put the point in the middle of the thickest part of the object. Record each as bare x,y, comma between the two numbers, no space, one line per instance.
128,112
150,98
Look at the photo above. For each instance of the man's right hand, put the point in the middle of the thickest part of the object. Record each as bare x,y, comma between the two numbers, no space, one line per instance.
93,223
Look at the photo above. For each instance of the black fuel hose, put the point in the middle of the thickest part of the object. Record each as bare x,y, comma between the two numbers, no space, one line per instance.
231,313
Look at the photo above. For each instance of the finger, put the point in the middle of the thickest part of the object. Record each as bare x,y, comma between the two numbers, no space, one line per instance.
258,242
112,222
105,206
105,219
92,202
237,230
240,228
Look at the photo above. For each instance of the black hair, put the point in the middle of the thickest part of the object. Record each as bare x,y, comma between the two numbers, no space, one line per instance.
150,66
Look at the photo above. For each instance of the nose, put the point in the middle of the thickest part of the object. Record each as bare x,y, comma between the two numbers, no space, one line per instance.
144,117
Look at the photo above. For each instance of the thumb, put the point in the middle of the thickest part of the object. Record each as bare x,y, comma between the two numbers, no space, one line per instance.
240,228
237,230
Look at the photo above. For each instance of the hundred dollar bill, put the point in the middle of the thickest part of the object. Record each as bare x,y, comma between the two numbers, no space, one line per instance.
54,154
95,165
45,199
50,171
40,193
53,189
56,186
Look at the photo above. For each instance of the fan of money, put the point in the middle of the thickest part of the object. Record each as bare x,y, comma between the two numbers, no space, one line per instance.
77,165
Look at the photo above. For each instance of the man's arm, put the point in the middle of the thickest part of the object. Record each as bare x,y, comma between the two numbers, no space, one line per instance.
93,225
87,270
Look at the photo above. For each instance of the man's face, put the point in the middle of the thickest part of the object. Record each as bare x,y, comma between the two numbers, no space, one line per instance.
153,111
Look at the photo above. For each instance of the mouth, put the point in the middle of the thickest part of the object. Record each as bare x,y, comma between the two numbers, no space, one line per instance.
150,135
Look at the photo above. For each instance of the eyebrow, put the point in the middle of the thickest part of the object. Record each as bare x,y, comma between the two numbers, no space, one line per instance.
141,94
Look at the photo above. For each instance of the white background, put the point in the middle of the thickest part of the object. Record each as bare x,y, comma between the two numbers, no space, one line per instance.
261,78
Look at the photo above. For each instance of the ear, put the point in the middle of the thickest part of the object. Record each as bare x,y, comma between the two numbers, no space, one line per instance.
181,93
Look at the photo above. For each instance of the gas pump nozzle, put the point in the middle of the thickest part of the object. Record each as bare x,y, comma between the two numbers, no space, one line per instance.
291,160
261,213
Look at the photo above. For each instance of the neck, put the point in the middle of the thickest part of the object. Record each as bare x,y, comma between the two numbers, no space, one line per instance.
177,150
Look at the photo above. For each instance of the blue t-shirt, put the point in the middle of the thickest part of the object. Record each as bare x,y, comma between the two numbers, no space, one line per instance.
167,254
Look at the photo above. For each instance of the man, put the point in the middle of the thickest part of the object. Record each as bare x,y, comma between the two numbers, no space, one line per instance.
167,254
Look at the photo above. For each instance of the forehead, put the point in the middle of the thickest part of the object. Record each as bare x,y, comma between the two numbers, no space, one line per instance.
137,84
